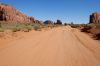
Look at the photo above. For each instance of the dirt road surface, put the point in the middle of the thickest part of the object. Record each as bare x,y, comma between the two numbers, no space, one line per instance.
62,46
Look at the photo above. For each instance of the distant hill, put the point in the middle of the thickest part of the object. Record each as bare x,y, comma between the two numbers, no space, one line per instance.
11,14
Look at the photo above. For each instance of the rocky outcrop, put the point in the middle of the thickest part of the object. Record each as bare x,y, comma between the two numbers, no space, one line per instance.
10,14
48,22
95,18
59,22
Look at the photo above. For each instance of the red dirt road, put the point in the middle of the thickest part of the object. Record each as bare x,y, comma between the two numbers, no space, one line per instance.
61,46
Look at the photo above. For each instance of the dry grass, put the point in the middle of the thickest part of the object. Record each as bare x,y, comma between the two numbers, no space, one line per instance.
18,27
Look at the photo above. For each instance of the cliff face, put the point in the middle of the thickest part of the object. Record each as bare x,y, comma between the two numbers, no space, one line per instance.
95,18
10,14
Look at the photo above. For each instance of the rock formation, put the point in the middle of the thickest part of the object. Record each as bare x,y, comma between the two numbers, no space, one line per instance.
95,18
48,22
10,14
59,22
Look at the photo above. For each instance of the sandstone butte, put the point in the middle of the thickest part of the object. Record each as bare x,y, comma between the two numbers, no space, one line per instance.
11,14
95,18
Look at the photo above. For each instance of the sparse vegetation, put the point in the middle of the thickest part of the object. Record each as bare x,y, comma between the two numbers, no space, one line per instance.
86,28
19,27
65,24
97,26
97,36
93,29
36,27
1,30
74,25
25,27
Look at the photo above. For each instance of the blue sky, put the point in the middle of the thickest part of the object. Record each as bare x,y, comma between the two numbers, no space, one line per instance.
77,11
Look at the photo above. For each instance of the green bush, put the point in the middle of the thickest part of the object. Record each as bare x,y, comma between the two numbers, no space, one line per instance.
15,30
75,25
36,27
21,26
87,27
29,27
1,30
97,26
97,36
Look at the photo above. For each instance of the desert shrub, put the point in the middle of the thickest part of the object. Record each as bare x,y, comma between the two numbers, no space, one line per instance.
36,27
86,28
97,36
65,24
29,27
1,30
97,26
15,30
14,27
83,25
2,12
22,26
74,25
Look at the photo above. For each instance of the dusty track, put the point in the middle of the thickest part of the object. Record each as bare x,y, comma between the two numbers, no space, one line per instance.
61,46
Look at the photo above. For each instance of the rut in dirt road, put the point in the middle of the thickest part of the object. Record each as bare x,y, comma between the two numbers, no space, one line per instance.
57,47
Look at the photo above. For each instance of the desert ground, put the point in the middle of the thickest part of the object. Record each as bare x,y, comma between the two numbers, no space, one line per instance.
61,46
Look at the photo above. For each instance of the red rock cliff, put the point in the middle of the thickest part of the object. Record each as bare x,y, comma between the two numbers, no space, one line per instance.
10,14
95,18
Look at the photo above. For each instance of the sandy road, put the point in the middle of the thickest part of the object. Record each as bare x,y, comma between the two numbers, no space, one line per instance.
61,46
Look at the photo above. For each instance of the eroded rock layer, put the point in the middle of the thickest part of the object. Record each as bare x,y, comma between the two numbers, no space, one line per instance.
10,14
95,18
